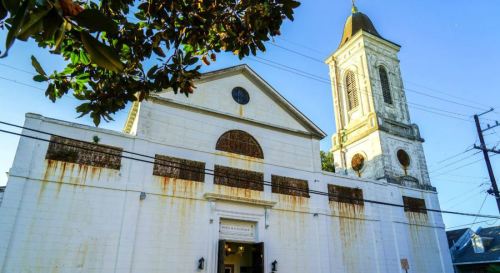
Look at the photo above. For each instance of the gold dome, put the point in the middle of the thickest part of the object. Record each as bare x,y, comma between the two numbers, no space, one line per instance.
356,22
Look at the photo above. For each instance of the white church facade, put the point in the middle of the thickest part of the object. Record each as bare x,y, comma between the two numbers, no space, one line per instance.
230,180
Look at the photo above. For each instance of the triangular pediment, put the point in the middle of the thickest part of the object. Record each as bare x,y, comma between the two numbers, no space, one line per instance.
266,106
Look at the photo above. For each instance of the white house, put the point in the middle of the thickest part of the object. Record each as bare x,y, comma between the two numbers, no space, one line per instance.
230,180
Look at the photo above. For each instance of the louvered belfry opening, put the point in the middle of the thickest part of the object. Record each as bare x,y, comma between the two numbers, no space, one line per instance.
352,90
386,87
239,142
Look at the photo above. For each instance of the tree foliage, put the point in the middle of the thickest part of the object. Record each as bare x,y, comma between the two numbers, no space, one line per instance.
118,51
327,161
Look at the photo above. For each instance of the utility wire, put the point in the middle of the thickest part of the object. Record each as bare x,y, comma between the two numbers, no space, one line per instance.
470,148
407,89
328,82
464,225
21,83
18,69
320,79
316,78
411,82
479,211
467,164
266,183
454,162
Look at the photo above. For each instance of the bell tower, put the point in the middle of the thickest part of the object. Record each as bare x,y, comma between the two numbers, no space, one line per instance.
375,138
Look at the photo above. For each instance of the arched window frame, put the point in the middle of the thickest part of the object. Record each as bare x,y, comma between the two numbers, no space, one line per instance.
239,142
351,91
385,84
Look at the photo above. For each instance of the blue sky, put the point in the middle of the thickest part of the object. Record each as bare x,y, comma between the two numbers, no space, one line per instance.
450,50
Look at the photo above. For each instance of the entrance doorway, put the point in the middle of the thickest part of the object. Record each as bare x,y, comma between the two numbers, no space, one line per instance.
235,257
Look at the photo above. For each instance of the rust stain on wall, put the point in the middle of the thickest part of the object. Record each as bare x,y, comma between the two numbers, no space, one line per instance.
422,241
352,233
70,173
238,192
178,187
292,202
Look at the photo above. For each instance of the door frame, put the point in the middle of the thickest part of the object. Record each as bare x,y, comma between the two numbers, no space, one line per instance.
248,214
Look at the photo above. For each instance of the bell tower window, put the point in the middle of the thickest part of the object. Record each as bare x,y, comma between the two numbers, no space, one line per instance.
384,82
352,91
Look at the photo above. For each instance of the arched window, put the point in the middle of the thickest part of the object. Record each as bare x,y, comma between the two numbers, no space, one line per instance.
352,91
384,82
239,142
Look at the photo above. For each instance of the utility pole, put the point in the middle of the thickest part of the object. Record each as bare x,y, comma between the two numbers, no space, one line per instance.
486,155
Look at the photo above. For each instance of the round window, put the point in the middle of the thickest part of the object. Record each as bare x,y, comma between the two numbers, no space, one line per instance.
240,95
403,158
357,163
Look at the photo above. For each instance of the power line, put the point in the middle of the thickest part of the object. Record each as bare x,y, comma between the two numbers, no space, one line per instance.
263,182
303,74
303,46
479,211
461,200
313,77
19,69
468,164
462,194
320,79
21,83
471,223
455,155
411,82
454,162
407,89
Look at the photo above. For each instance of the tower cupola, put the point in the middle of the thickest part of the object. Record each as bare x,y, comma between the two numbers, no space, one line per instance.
356,22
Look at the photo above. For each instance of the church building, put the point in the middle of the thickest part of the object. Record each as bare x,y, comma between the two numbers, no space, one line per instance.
229,180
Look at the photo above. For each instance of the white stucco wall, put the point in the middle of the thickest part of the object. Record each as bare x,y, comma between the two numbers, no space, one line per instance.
67,218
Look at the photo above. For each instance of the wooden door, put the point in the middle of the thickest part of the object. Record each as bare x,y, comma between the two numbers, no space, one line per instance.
258,258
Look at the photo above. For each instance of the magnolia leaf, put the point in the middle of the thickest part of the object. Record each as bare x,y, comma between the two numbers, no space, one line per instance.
101,54
16,25
40,78
32,24
94,21
159,52
51,92
37,66
51,23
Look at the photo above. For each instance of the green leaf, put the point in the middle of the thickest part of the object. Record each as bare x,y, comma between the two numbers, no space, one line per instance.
16,25
37,66
94,21
84,76
59,36
74,57
101,54
84,58
159,52
51,23
40,78
32,24
51,92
